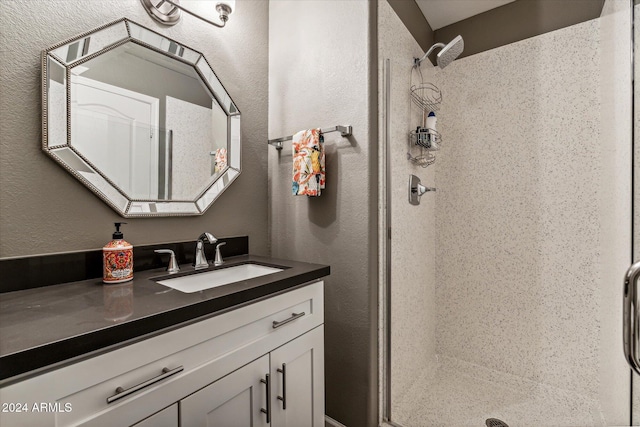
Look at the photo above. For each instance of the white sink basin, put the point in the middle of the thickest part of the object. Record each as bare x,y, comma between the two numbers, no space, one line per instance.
212,279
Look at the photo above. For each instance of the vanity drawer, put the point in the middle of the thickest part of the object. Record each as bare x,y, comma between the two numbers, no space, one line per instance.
194,355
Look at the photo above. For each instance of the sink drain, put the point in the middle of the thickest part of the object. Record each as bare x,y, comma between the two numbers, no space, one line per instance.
494,422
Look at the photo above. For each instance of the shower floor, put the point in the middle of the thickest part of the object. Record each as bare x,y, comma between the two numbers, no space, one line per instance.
457,394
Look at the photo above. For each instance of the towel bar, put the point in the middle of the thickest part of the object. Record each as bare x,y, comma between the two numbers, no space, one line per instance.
344,131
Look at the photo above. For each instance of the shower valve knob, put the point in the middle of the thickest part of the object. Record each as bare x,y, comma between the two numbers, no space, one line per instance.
416,190
421,189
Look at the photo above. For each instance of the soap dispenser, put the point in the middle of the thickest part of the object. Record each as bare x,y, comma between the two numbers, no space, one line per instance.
117,258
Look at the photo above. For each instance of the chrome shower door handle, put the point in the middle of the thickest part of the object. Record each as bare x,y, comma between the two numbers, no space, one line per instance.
630,319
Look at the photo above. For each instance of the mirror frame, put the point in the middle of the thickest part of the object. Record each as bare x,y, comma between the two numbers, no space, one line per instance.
58,146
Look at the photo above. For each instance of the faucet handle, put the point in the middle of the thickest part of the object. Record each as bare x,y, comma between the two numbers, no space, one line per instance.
218,260
173,265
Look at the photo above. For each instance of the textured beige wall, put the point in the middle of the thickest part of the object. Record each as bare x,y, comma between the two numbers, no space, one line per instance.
413,228
319,77
533,214
43,209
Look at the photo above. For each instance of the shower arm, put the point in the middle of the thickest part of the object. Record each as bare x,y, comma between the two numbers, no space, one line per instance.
418,61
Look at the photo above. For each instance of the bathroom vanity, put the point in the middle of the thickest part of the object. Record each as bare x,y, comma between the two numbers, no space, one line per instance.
255,359
164,349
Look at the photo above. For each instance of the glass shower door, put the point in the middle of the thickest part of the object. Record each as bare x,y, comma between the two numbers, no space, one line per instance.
503,296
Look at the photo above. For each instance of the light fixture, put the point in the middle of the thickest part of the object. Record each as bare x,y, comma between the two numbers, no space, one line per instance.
167,12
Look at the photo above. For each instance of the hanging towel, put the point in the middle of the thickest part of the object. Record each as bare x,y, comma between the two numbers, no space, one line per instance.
308,163
220,159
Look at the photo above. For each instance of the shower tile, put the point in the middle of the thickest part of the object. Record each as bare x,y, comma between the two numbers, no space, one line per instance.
517,241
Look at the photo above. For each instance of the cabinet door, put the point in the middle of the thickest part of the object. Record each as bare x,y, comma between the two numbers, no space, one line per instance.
235,400
168,417
297,369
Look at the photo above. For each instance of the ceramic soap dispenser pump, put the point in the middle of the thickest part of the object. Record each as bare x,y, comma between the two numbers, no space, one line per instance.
117,258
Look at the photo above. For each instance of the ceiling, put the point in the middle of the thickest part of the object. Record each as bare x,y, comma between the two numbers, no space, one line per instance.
440,13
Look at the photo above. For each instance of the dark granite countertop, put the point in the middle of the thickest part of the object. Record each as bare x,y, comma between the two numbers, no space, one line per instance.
45,327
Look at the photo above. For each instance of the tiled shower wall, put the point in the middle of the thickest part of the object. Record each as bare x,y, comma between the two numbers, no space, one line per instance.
528,179
517,214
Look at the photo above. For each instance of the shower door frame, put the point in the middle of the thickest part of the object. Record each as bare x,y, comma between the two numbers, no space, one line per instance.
634,415
385,259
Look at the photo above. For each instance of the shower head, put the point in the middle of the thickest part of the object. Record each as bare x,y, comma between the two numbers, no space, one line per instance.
447,55
450,52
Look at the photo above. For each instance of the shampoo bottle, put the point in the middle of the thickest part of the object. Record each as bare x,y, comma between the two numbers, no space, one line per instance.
431,120
117,258
431,128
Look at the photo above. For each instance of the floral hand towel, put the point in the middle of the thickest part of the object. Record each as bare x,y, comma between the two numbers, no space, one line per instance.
220,159
308,163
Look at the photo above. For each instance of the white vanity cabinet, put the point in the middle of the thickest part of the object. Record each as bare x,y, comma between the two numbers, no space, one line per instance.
233,401
209,370
290,379
168,417
297,379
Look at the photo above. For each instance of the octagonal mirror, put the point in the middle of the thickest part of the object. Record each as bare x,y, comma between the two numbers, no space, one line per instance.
141,120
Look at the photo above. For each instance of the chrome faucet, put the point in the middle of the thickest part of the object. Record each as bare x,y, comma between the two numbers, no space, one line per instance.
199,258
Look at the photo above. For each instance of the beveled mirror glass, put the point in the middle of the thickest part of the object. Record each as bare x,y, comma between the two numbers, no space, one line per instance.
141,120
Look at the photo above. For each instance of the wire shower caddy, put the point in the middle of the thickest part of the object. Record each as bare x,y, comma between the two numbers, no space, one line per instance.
427,97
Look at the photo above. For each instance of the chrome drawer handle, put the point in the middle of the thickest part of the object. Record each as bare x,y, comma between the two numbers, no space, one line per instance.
293,317
120,392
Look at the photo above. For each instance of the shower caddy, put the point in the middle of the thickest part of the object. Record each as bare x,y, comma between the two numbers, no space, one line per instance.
423,141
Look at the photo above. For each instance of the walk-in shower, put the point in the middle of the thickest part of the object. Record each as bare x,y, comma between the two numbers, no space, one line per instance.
501,293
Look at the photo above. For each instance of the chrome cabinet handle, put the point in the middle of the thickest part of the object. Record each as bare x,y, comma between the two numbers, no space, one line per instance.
630,320
267,411
283,398
293,317
120,392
